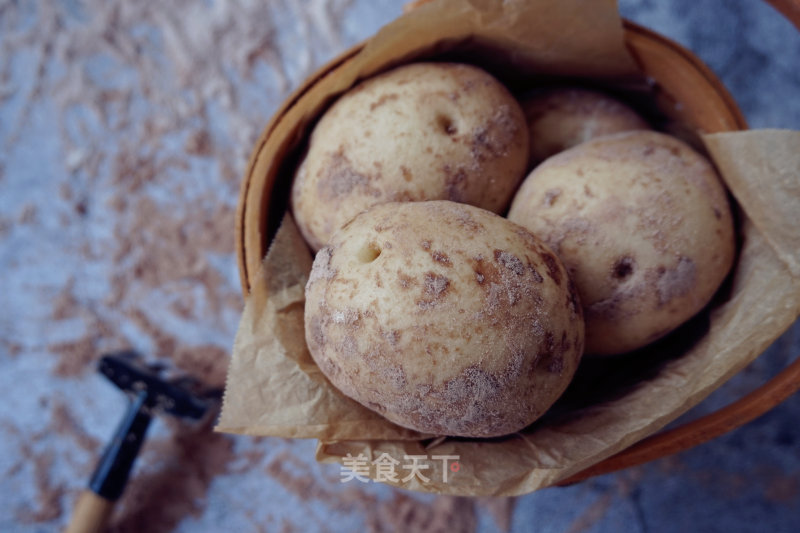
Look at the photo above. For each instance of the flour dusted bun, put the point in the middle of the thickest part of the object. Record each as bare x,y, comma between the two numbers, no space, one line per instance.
444,318
425,131
642,223
559,119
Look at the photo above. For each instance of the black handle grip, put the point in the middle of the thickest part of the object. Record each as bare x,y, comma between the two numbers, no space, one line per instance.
112,471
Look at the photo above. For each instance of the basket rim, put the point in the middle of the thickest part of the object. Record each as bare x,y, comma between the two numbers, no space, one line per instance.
252,195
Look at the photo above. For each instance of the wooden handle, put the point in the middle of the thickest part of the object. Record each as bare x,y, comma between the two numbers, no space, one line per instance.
91,514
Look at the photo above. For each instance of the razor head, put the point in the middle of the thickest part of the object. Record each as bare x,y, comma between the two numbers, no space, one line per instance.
179,397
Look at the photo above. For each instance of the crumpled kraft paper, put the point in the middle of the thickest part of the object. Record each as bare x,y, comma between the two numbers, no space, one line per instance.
274,387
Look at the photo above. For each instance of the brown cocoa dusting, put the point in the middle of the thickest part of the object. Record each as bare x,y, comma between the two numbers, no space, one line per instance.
184,306
158,254
455,183
382,100
166,249
199,143
206,363
465,220
296,476
572,299
49,495
552,267
503,286
338,179
535,274
464,399
164,343
322,267
246,459
132,171
435,285
510,261
404,196
393,337
317,333
441,258
547,353
556,364
76,356
405,280
64,423
550,196
493,139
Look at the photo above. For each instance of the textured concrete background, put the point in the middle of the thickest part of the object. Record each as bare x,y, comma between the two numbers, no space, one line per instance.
125,129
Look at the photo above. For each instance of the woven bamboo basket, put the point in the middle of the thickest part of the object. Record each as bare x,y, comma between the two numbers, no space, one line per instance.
680,77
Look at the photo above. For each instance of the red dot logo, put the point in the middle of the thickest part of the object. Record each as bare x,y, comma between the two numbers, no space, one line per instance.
455,467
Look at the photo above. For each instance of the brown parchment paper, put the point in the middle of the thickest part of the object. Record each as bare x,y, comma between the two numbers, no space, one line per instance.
275,389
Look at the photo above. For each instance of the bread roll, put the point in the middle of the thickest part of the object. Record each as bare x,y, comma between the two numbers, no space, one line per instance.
561,118
642,223
425,131
444,318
